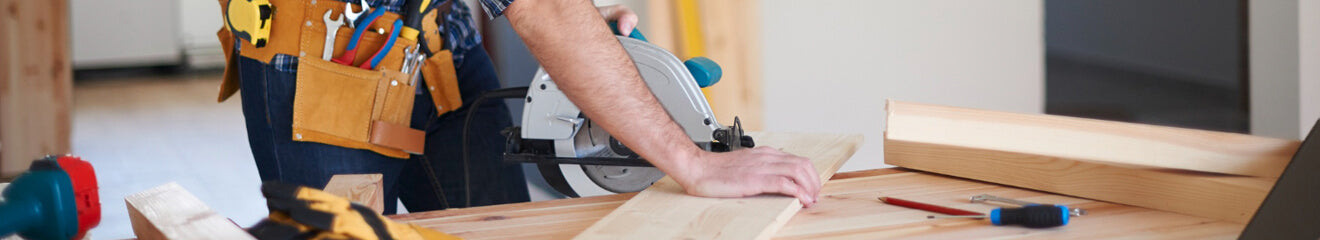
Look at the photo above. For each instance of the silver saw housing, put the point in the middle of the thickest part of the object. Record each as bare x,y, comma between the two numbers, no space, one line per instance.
554,131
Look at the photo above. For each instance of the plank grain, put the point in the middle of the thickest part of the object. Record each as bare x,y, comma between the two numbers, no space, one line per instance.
1090,140
365,189
939,139
848,210
170,212
664,211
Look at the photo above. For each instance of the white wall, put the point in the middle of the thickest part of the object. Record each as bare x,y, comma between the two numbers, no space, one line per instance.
1274,86
1285,67
830,65
1309,80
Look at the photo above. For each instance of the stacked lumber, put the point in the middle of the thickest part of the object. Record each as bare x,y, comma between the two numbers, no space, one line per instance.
1202,173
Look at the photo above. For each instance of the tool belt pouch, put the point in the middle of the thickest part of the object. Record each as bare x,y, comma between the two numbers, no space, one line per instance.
348,106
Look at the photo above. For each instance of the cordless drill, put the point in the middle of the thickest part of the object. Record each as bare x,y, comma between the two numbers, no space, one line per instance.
55,199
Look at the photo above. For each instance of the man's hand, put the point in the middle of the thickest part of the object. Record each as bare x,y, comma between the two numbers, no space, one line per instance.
748,172
626,17
572,42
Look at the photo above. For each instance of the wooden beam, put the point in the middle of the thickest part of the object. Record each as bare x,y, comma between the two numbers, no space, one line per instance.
35,82
1057,154
1107,142
733,39
170,212
664,211
365,189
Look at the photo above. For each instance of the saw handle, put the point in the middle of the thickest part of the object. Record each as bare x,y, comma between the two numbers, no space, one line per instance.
635,34
705,71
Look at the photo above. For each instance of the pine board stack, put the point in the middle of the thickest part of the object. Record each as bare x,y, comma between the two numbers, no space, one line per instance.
1201,173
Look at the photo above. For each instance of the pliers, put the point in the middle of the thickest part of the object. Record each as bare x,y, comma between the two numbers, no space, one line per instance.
384,49
361,25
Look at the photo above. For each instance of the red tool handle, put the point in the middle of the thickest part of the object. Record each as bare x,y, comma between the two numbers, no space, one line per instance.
928,207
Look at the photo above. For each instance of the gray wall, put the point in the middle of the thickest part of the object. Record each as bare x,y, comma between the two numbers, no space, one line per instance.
1194,40
830,65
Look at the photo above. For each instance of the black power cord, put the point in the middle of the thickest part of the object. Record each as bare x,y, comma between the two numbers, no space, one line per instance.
502,93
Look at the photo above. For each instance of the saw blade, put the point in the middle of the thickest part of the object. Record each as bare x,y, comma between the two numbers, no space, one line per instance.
593,141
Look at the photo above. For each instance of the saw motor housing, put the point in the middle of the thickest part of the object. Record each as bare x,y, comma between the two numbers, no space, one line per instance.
554,131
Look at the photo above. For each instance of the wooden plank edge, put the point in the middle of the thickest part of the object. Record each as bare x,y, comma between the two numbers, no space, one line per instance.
1111,142
1223,197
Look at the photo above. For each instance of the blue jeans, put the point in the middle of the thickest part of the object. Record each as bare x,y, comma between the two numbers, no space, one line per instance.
427,182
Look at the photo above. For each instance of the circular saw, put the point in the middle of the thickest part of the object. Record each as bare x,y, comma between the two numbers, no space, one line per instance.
554,131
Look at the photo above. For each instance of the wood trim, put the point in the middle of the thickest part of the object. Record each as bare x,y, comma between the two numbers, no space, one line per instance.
665,211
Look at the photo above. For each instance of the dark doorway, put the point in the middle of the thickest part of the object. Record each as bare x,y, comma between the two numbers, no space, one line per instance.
1166,62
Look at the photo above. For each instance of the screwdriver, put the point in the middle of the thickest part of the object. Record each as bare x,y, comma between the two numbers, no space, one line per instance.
1031,216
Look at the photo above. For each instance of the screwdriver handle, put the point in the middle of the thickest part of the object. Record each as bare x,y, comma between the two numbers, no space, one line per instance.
1031,216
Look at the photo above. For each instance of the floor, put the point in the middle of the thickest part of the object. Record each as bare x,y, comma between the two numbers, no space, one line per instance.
142,128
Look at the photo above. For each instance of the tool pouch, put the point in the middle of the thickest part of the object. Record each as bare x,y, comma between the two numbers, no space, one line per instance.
344,105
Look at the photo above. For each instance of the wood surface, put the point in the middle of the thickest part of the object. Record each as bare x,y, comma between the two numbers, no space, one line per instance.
35,82
170,212
848,210
1109,142
941,140
365,189
665,211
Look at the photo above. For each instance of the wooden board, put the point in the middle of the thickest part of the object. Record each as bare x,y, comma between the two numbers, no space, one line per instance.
365,189
1109,142
36,83
664,211
848,210
909,144
170,212
732,32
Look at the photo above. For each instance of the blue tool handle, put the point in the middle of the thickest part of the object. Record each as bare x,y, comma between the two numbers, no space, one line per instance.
362,24
1031,216
389,44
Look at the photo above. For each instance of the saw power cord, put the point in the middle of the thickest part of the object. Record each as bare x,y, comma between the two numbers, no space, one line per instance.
502,93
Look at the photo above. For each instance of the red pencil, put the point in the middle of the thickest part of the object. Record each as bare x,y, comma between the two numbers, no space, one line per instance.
928,207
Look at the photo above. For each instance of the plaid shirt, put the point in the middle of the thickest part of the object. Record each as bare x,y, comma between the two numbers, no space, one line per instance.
459,31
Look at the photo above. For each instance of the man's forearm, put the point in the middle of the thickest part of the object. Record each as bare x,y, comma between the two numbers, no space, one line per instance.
575,46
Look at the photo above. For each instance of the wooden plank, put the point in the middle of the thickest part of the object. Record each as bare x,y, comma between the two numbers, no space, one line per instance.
664,211
1109,142
848,210
365,189
35,82
1225,197
170,212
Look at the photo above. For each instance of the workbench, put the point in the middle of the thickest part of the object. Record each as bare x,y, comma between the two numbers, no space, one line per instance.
848,209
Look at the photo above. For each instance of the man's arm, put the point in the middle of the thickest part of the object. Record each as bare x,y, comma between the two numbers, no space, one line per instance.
572,42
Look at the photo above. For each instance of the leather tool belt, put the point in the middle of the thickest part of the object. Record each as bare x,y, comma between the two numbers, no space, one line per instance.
345,105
